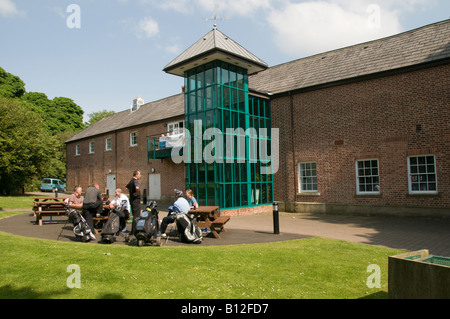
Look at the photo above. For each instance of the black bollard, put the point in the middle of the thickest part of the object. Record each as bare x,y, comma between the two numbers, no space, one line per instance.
144,198
276,219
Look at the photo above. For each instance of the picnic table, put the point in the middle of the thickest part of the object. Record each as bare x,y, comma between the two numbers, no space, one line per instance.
209,217
48,206
99,221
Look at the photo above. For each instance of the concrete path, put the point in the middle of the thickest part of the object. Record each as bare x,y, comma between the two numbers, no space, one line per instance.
393,232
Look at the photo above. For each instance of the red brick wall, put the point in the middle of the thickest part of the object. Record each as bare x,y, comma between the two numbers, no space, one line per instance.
122,160
375,118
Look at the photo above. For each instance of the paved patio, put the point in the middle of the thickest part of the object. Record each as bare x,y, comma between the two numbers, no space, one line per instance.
393,232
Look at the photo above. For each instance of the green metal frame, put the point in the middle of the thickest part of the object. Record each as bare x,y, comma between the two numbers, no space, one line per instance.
217,93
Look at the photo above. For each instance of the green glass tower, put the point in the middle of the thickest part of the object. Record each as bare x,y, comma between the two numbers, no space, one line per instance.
228,134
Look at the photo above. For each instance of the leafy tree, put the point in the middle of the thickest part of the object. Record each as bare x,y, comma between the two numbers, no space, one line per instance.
10,85
60,114
26,148
97,116
33,129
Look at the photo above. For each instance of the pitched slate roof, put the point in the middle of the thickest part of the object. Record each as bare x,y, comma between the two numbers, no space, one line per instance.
151,112
215,46
426,44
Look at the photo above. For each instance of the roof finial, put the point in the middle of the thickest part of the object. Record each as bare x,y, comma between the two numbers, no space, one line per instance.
215,17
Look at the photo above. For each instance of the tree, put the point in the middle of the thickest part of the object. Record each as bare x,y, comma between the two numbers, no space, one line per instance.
97,116
10,85
33,129
60,114
26,148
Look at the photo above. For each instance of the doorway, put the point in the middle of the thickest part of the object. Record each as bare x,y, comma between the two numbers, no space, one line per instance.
154,186
110,184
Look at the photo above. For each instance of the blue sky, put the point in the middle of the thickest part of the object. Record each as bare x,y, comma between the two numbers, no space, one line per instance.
104,53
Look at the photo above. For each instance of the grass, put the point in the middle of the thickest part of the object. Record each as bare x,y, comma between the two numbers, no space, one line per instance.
313,268
16,202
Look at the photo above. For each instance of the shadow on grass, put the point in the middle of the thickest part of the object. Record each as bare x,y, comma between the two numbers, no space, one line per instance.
112,296
9,292
376,295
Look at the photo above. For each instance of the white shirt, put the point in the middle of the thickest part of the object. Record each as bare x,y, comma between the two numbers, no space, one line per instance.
118,201
182,204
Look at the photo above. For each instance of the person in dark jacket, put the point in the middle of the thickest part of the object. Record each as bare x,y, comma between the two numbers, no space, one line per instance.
92,203
135,197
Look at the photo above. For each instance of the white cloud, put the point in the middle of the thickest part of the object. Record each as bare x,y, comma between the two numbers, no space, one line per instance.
147,28
9,9
234,7
306,27
318,26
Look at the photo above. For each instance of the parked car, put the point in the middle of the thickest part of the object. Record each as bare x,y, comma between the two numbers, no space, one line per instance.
52,185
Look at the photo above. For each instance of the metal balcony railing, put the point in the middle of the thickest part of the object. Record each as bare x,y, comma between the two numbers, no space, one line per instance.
160,145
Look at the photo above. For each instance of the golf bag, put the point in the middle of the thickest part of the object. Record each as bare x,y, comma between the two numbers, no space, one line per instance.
188,229
81,228
112,227
147,226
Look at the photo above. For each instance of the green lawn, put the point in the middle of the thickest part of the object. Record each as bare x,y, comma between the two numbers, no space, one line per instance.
307,268
16,202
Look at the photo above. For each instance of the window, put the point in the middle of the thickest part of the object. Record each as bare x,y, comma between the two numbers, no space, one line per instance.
77,150
308,177
175,128
91,148
367,177
422,174
108,144
133,139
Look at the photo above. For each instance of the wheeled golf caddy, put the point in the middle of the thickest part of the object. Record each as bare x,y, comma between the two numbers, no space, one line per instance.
147,226
81,228
113,226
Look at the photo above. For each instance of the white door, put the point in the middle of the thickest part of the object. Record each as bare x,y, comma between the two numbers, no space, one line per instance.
111,184
154,186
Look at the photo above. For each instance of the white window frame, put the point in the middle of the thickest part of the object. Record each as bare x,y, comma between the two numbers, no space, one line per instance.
301,175
91,147
108,144
133,139
419,174
175,128
77,150
370,175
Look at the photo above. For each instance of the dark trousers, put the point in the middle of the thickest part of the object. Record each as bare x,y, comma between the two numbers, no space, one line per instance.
169,219
136,211
90,210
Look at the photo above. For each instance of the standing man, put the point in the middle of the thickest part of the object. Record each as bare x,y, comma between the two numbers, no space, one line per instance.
135,197
92,204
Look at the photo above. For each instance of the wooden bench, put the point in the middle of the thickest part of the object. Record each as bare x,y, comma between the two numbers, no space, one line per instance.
99,222
217,225
209,217
48,208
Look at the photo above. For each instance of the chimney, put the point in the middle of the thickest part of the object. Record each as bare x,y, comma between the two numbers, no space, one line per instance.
137,103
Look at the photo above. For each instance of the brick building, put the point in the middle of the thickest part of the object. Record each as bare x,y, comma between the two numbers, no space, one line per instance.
362,129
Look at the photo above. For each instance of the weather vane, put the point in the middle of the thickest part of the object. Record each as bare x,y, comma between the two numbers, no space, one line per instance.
215,18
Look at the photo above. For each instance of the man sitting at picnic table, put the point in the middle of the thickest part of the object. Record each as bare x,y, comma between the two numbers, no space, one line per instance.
181,205
119,202
75,200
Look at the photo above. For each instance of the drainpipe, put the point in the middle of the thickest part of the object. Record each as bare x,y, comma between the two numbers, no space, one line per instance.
115,156
291,98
